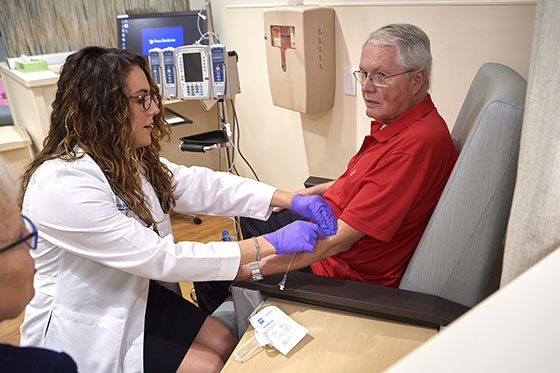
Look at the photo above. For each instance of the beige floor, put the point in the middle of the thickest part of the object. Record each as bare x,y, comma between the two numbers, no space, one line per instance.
184,229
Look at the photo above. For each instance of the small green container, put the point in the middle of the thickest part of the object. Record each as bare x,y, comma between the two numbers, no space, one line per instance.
31,66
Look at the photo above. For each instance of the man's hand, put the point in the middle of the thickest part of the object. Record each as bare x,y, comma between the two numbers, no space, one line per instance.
317,209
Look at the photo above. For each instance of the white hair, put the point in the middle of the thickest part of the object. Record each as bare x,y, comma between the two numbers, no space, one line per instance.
413,46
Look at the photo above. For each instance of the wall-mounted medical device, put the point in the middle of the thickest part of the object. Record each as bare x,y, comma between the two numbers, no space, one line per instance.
300,57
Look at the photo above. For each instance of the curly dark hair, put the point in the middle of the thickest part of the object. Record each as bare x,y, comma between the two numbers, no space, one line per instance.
91,112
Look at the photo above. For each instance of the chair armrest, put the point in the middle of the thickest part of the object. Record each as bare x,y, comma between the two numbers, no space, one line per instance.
368,299
315,180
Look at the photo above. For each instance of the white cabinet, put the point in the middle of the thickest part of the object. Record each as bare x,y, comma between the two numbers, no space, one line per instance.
30,96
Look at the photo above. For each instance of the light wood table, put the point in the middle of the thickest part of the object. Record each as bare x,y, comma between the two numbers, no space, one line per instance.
338,341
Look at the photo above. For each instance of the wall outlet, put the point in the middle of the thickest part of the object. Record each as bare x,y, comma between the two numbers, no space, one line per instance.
349,83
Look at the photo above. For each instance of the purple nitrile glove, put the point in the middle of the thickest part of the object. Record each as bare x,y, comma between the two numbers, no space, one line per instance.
294,237
317,209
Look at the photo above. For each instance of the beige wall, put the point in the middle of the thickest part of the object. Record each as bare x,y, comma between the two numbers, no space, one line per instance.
286,147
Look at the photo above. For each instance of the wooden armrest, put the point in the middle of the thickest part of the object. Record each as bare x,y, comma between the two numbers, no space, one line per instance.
368,299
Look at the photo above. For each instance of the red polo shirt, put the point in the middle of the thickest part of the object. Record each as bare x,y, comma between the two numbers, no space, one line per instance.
388,192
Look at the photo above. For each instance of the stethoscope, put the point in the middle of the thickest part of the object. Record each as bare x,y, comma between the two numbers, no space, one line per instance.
143,219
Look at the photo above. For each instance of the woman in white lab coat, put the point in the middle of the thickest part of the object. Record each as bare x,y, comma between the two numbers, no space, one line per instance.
101,196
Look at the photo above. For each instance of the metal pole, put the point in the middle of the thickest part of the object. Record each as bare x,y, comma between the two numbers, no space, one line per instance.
211,30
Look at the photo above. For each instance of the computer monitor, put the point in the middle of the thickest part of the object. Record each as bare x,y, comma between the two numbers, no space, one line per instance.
139,33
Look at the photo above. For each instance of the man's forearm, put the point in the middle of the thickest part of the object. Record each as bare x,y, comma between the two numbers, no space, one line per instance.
279,263
344,238
324,248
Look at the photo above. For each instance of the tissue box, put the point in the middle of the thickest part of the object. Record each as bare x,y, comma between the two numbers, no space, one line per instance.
31,66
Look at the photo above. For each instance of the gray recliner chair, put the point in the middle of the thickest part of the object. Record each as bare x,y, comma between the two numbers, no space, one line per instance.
458,259
459,255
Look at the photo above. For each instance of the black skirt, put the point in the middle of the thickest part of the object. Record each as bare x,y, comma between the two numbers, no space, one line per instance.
171,326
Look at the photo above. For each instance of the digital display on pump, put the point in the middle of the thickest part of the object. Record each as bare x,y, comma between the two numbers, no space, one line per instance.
193,67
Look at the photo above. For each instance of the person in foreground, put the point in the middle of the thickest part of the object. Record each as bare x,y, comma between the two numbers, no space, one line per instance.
384,199
17,236
101,197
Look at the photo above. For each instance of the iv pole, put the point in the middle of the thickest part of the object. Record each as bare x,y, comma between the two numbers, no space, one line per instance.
223,123
222,112
221,104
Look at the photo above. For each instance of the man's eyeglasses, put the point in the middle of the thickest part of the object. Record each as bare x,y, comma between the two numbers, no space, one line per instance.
30,239
145,100
378,79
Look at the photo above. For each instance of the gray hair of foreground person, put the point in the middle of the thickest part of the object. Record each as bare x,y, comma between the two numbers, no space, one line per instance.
413,46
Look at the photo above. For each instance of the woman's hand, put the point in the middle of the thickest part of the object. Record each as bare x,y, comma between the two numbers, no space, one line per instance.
295,237
317,209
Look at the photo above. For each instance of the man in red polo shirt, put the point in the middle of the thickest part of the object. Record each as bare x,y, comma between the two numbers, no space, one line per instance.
384,199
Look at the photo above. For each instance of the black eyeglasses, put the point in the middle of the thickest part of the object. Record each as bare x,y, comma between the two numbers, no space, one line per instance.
145,100
30,239
378,79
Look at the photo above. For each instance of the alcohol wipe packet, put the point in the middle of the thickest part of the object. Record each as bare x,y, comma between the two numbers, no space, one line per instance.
282,331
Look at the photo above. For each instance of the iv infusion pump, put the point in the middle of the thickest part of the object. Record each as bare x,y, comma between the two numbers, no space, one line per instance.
194,72
162,66
169,83
201,71
217,55
155,66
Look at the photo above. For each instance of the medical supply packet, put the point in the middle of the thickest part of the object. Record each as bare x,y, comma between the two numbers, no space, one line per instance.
281,330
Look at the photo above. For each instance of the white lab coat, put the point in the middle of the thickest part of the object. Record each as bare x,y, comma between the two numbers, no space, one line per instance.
94,262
